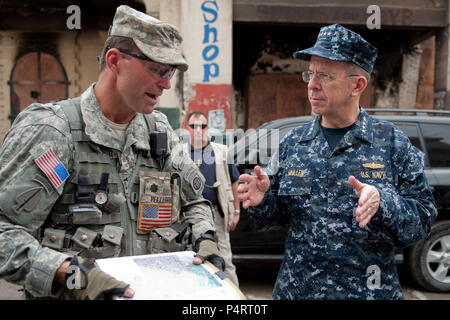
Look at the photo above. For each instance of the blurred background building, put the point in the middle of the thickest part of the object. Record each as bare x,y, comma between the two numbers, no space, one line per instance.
240,54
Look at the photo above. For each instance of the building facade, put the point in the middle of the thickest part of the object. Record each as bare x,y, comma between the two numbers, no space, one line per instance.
241,72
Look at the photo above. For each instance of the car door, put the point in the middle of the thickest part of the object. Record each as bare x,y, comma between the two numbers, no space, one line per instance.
266,243
437,143
418,139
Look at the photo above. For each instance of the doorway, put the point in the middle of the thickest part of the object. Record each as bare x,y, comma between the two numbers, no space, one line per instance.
36,77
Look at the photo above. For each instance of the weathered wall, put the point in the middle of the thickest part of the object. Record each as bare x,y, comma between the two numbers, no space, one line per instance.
207,31
206,27
8,48
394,12
77,52
414,88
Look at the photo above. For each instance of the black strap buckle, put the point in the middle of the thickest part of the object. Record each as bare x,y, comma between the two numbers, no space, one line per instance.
85,190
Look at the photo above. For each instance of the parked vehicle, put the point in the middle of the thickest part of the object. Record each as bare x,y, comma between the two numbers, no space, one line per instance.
427,261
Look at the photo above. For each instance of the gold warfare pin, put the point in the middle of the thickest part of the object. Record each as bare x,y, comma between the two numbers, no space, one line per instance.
373,165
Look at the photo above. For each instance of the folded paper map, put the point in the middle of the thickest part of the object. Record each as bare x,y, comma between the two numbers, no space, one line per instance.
171,276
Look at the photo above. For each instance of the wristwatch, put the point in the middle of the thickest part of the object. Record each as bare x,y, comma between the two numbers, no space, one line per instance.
236,212
101,196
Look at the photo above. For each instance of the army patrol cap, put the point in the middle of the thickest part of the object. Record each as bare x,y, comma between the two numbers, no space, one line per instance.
337,43
159,41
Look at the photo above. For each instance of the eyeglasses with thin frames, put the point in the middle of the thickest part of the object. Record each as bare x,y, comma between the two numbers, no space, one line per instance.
154,67
322,76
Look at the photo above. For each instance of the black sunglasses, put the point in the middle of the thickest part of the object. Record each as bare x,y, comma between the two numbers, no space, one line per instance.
193,126
135,54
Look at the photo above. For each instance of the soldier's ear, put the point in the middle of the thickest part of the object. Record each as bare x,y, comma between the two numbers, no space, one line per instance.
112,58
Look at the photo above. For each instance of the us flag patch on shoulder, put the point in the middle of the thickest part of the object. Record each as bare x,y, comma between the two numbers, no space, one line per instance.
52,167
154,215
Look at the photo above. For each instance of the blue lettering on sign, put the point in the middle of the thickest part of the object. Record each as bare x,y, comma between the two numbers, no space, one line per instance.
208,30
215,52
213,12
210,69
210,52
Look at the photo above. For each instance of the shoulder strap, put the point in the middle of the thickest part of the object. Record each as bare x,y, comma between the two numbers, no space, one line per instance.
152,119
151,123
72,110
185,146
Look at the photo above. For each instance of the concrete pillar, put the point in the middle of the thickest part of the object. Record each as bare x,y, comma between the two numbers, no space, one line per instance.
425,89
8,51
78,51
206,26
171,102
152,8
69,53
442,70
407,90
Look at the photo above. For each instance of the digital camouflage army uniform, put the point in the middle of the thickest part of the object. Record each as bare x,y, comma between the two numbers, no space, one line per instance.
33,210
327,254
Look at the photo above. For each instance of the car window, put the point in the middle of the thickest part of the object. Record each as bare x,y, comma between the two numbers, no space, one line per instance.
259,145
285,130
437,141
412,131
269,143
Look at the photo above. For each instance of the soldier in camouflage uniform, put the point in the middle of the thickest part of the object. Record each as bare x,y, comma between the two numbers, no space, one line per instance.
352,185
102,175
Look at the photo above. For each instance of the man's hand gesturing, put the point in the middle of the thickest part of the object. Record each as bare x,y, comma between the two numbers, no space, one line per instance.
368,203
252,191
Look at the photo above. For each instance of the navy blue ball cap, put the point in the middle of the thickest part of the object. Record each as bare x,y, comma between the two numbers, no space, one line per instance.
337,43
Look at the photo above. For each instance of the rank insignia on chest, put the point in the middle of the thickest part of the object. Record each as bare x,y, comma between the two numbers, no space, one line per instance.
373,165
52,167
154,215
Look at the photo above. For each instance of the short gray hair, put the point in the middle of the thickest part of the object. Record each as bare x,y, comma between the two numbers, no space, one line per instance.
356,70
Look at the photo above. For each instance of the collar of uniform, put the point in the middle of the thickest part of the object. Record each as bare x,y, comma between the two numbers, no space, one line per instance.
362,128
311,129
139,132
99,131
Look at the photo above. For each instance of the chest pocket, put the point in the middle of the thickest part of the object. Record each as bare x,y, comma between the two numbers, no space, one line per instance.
158,205
375,171
294,181
295,186
295,192
294,199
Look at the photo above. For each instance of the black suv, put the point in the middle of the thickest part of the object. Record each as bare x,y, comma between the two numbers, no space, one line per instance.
427,261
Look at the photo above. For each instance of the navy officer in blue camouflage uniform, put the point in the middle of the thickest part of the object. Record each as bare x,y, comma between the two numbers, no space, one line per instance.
352,185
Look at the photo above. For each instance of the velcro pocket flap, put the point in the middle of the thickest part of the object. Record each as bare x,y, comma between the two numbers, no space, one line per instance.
112,234
54,238
167,234
85,214
84,237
